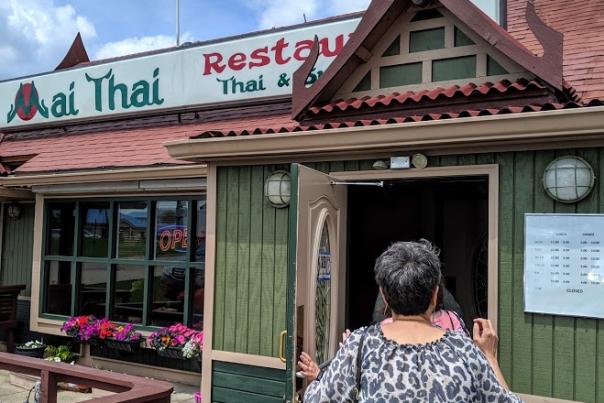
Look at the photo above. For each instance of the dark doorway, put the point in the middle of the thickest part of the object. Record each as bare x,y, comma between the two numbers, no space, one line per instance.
452,213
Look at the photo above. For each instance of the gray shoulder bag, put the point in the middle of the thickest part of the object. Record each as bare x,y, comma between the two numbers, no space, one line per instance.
357,386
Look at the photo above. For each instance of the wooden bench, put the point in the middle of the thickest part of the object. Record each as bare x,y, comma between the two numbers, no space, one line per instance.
8,312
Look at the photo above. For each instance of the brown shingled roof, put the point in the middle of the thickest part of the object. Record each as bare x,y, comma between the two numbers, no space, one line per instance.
582,23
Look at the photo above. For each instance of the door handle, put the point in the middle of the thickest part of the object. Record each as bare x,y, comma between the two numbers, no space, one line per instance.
282,342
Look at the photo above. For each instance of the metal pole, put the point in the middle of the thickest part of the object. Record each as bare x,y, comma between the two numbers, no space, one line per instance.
177,22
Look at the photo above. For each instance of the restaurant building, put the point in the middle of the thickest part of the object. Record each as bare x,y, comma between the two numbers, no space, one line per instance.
245,186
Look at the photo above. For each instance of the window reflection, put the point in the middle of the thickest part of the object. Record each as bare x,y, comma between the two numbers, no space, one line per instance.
95,229
58,288
200,231
197,300
129,293
132,239
93,287
168,295
172,232
61,227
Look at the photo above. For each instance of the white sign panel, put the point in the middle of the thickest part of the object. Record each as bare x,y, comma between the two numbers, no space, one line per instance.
564,264
253,67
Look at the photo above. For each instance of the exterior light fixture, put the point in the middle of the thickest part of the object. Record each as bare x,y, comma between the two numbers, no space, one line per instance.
380,164
420,161
277,189
14,211
568,179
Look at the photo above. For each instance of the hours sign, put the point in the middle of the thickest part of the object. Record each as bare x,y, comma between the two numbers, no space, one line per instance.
564,264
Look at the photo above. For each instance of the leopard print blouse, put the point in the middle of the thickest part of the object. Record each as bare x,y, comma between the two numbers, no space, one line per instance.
451,369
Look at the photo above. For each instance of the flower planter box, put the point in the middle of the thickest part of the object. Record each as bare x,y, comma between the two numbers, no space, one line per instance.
131,346
37,352
174,353
196,364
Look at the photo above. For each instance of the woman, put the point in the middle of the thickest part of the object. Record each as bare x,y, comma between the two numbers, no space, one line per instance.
409,359
442,318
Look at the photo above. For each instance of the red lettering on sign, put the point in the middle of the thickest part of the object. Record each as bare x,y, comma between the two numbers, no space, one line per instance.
215,62
324,46
237,61
278,49
303,46
260,57
176,237
165,240
185,241
212,61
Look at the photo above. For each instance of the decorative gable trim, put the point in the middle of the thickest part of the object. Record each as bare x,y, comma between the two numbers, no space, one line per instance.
398,49
75,55
379,17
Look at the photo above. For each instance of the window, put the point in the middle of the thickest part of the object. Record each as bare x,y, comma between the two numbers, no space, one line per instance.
394,48
60,227
94,229
131,260
364,84
494,68
454,69
401,74
132,237
491,8
461,39
427,39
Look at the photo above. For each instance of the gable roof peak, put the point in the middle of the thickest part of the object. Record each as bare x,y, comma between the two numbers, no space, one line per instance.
381,14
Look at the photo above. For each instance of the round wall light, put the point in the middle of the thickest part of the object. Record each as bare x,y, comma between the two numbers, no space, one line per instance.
277,189
14,211
568,179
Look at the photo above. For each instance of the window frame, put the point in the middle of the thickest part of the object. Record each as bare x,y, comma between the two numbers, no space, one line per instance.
112,261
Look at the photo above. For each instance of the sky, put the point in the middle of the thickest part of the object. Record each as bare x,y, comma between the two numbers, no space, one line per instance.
36,34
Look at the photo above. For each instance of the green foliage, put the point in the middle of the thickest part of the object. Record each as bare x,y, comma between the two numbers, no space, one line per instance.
61,353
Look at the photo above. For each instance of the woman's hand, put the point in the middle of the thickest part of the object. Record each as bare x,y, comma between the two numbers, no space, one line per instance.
308,367
485,337
345,335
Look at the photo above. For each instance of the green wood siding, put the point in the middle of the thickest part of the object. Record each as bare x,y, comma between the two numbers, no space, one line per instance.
251,264
540,354
232,383
17,248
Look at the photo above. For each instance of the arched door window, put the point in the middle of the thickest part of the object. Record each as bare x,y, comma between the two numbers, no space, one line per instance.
323,297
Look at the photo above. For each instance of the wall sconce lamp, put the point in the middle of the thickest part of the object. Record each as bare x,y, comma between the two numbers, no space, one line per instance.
568,179
14,211
277,189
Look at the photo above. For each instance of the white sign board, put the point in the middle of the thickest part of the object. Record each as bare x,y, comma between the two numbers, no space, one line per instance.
564,264
257,66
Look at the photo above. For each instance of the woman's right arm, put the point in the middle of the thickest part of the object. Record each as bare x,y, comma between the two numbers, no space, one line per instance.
486,339
493,383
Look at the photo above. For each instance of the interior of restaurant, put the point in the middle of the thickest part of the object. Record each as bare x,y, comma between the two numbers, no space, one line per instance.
452,213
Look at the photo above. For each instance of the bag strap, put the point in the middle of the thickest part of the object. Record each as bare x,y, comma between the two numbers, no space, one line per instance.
359,362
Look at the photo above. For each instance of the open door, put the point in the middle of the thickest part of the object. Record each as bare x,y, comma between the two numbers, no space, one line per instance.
318,223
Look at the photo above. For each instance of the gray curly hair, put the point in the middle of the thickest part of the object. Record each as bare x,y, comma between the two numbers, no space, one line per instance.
408,273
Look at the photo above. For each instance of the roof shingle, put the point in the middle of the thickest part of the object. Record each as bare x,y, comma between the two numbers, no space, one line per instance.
582,23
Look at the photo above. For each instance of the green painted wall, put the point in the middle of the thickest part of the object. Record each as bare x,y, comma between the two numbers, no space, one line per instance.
17,246
251,264
539,354
240,383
